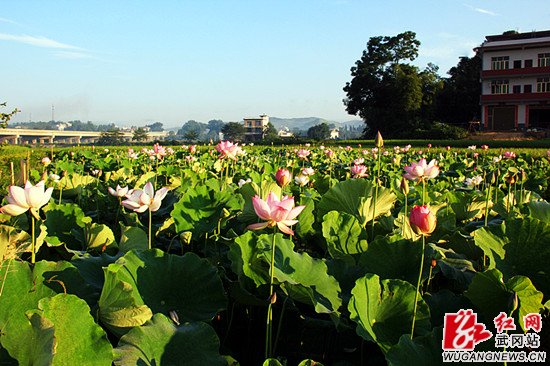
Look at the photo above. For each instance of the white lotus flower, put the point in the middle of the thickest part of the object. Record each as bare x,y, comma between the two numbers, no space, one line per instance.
30,198
142,200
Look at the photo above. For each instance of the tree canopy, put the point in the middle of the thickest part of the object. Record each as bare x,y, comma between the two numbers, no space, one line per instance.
319,132
390,95
5,117
233,131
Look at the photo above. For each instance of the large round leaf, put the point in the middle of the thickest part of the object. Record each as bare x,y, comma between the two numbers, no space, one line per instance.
22,289
160,342
393,257
383,310
344,234
424,350
356,197
187,284
492,296
77,339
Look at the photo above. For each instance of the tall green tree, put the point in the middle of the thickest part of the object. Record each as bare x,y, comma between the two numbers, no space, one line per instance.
139,134
319,132
193,127
458,101
385,91
233,131
270,133
156,127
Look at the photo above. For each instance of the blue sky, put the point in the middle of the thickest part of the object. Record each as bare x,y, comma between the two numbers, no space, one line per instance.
136,62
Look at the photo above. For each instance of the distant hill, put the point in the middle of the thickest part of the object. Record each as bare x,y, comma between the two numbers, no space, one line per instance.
305,123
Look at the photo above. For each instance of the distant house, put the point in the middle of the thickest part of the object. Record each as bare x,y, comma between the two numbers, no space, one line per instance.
61,126
334,134
285,133
255,127
515,77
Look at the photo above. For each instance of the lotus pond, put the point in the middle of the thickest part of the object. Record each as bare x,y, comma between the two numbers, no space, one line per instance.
228,255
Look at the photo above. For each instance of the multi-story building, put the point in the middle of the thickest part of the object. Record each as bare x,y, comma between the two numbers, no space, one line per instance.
255,127
515,79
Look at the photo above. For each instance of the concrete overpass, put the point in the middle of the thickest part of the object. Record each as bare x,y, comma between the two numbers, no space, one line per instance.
19,136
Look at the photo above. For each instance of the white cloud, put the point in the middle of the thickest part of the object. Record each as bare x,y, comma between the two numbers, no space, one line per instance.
72,55
480,10
37,41
5,20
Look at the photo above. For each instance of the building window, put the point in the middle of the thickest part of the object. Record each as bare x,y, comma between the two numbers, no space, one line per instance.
527,88
516,89
499,87
517,64
528,63
543,85
544,59
499,63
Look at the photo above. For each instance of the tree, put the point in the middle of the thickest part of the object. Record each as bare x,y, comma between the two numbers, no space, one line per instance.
5,117
458,101
319,132
156,127
191,135
270,133
140,135
386,93
111,137
195,128
233,131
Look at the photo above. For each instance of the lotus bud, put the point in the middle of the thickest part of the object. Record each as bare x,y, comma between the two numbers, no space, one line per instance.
273,298
174,316
379,141
523,176
404,186
493,178
185,237
511,178
423,221
282,177
434,263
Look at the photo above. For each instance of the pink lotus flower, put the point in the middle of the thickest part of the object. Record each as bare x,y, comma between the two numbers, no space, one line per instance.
30,198
118,192
484,147
330,154
509,155
303,154
192,149
422,220
280,213
358,161
421,170
359,171
283,177
159,151
228,150
142,200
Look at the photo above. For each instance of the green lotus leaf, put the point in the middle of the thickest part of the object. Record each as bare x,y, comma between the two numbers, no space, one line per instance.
540,210
310,363
81,342
22,290
187,285
62,221
200,209
303,277
344,234
491,295
132,238
306,219
383,310
72,185
10,241
272,362
99,236
161,342
356,197
393,257
424,350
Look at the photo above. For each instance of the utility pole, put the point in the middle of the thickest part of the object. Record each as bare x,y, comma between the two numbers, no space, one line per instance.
53,109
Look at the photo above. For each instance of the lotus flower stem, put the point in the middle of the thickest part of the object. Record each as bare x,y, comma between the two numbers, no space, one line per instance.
280,325
269,331
150,224
404,217
418,285
487,203
33,240
12,172
378,153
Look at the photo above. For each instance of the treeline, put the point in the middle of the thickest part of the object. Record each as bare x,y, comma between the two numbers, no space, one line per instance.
78,125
